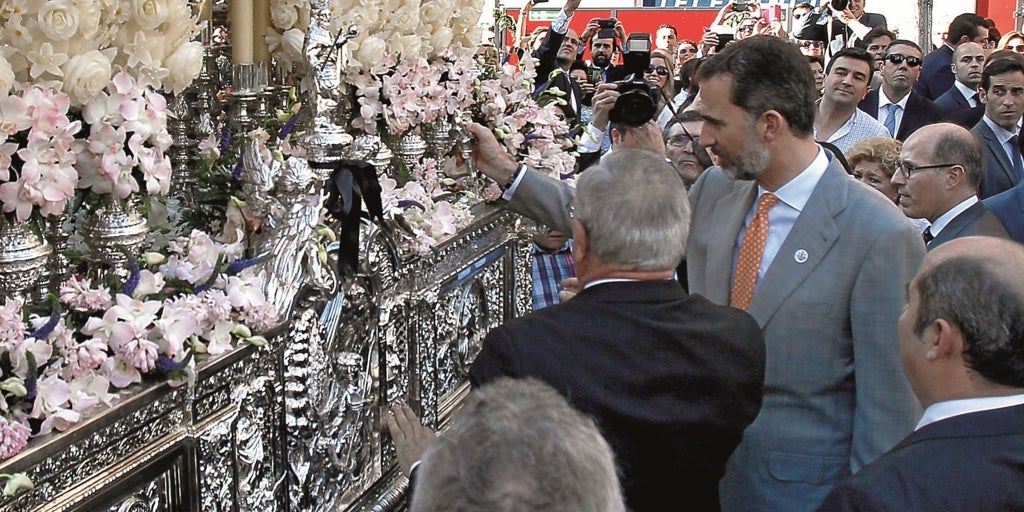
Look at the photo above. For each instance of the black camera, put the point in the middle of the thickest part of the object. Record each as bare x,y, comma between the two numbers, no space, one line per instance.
839,5
638,98
594,74
740,6
606,28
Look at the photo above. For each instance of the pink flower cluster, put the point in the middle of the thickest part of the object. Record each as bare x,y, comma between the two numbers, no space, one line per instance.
127,130
37,164
432,220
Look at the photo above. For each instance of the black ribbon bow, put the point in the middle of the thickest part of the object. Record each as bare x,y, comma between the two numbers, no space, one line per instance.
352,183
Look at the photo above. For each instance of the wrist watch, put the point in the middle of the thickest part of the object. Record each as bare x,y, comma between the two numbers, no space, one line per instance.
515,176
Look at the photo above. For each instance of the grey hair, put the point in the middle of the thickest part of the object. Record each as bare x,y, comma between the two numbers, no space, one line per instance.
983,295
634,207
517,445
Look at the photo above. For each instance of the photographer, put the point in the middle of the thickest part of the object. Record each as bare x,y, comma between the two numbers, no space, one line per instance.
841,23
603,36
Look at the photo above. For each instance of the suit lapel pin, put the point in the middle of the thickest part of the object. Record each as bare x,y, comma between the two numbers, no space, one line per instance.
800,256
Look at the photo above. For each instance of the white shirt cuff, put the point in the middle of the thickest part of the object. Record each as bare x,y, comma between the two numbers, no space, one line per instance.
511,190
592,140
560,24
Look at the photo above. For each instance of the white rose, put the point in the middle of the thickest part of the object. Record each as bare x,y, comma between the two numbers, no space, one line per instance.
150,14
283,16
291,44
6,76
472,38
89,19
371,51
409,47
85,75
183,66
58,19
430,13
404,20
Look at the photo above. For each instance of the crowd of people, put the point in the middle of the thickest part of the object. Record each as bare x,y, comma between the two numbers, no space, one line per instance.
768,290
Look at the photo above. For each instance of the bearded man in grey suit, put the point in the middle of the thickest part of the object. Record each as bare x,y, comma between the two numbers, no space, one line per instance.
831,263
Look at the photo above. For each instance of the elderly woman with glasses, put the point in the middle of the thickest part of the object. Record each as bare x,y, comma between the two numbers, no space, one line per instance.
661,73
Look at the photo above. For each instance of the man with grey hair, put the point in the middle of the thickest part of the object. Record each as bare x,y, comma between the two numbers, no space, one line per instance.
516,445
937,179
962,342
670,378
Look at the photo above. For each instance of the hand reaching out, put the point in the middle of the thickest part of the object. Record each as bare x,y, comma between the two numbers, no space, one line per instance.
411,438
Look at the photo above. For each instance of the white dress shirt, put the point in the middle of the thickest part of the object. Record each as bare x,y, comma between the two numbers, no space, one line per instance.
883,109
950,408
945,218
1004,137
793,196
968,93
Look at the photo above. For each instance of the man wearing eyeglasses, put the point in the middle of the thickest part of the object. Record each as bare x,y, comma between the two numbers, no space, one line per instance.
936,75
968,61
937,179
895,105
1002,92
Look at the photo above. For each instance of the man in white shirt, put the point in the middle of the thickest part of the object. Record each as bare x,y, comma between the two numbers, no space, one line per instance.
839,121
1002,92
937,179
962,342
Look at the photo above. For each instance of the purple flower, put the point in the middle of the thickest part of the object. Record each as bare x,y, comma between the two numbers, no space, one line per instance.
225,139
239,265
167,365
287,127
44,331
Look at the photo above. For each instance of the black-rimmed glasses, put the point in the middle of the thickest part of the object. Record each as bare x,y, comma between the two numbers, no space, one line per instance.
682,139
908,169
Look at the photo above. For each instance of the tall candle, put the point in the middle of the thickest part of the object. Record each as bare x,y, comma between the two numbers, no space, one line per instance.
206,11
261,22
241,13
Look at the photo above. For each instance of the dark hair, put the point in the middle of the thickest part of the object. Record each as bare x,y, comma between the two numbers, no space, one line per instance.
666,25
999,67
804,5
816,58
875,33
966,24
687,73
903,42
854,53
767,73
972,293
578,64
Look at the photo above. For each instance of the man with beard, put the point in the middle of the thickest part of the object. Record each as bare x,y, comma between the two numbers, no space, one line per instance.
839,121
901,110
1002,92
821,263
602,48
968,60
555,57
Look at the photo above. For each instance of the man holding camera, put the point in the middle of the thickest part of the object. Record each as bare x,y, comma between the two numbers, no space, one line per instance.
555,57
841,23
602,36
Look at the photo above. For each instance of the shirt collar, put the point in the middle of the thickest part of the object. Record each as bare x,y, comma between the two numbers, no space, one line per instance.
608,280
567,246
966,91
944,219
1001,133
798,191
884,100
950,408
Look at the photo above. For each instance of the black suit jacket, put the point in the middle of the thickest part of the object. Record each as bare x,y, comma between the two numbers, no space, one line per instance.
967,117
670,379
936,75
808,28
547,57
919,112
974,221
1008,207
970,463
952,101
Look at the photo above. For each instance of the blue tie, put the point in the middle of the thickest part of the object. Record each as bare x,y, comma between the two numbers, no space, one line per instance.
890,120
1018,167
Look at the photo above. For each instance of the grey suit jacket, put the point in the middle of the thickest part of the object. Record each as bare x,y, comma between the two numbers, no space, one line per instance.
998,175
974,221
835,394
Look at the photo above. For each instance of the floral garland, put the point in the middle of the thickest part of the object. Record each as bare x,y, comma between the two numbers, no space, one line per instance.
201,300
76,47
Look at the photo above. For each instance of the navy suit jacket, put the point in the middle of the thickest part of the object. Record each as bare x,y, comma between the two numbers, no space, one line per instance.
547,56
952,101
970,463
974,221
967,117
919,112
1008,207
998,175
670,379
936,75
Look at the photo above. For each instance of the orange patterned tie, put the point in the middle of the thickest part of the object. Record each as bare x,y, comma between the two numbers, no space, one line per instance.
751,250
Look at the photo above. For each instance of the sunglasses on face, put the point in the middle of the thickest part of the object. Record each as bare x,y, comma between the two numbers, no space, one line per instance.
1019,48
687,50
660,70
897,59
811,44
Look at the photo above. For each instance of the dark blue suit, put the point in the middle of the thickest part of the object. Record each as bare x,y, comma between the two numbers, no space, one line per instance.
919,112
547,56
936,75
952,101
670,379
1008,207
971,463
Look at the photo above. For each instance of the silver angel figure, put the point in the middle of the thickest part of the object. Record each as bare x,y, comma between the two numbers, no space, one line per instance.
287,197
